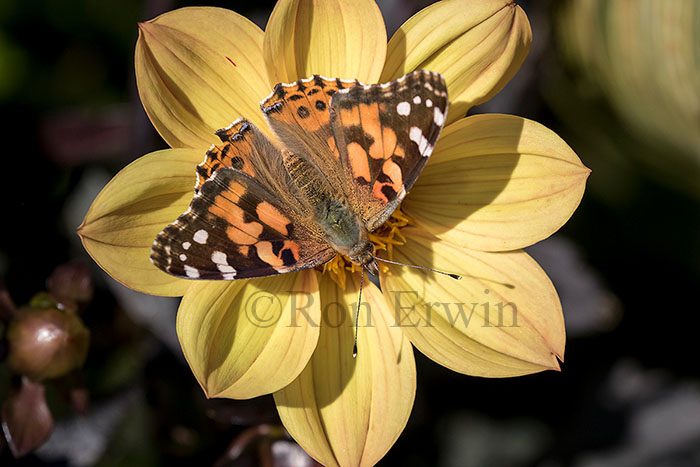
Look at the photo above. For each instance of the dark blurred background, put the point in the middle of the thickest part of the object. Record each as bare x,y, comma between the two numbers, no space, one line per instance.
619,81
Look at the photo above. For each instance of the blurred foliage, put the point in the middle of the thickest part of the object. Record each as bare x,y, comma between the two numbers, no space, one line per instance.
643,57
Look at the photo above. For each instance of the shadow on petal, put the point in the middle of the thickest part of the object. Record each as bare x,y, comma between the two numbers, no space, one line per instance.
244,339
466,173
332,38
497,183
503,318
345,410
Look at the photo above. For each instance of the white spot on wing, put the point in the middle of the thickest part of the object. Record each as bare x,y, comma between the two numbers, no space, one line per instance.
403,108
186,245
191,272
438,117
183,257
219,258
428,103
201,236
416,100
416,135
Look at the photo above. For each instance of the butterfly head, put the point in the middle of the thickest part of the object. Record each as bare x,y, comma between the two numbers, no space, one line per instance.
362,254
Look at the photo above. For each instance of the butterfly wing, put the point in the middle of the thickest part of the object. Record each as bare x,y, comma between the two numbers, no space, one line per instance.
298,114
385,135
369,142
246,149
245,219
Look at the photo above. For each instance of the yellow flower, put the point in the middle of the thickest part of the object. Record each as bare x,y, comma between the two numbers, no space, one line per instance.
494,184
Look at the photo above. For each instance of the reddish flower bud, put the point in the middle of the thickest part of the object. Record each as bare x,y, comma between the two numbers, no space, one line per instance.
46,342
71,282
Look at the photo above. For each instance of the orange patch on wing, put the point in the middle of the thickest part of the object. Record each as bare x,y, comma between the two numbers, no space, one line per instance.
384,138
383,148
369,114
244,234
266,254
334,148
239,149
218,157
233,193
298,107
244,250
358,161
392,170
270,215
240,232
350,117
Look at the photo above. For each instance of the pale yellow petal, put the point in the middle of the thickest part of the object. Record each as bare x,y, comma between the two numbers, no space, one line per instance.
247,338
124,219
333,38
477,45
344,410
503,318
198,70
496,183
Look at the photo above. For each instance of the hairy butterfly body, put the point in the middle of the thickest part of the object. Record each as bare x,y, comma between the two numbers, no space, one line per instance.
349,153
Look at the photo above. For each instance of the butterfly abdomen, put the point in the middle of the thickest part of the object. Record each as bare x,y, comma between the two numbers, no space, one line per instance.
343,229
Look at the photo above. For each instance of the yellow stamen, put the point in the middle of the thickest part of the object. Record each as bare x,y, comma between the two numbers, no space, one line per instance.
384,239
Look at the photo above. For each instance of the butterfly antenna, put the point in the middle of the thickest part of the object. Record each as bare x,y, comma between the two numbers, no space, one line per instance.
357,313
453,276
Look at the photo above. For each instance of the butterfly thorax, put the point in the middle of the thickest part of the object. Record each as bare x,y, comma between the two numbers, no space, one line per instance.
345,232
344,229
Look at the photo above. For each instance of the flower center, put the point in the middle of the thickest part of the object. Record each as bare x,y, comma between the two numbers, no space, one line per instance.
383,239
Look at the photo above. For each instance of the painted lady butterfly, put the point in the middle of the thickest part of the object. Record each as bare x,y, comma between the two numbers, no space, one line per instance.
349,154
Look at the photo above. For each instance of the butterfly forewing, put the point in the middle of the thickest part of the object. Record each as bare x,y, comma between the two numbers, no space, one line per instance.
236,229
385,134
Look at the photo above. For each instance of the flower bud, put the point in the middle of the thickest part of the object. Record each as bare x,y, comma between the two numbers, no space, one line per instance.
71,282
46,342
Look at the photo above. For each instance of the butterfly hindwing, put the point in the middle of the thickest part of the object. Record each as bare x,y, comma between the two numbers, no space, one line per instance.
235,229
298,114
246,149
385,135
